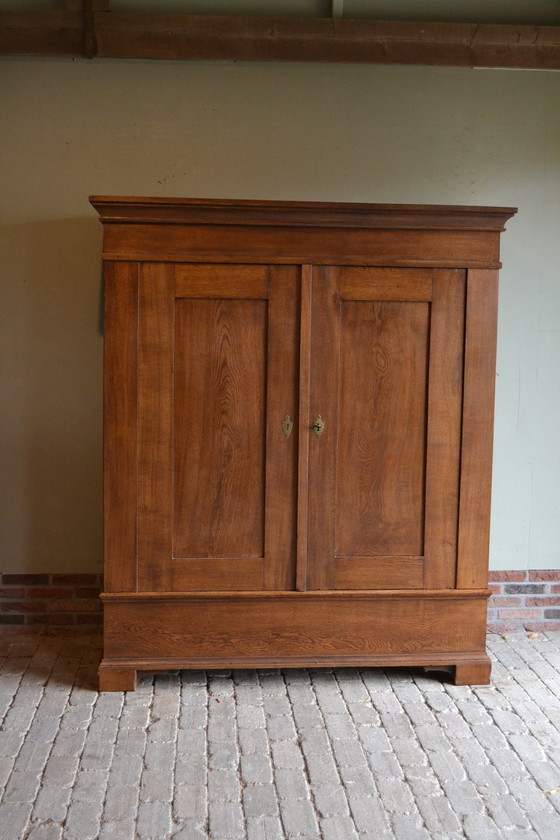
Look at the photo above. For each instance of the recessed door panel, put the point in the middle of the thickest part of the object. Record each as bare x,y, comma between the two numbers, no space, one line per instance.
217,396
219,403
381,428
383,475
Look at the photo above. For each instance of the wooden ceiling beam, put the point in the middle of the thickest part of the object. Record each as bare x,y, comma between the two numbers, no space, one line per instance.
230,38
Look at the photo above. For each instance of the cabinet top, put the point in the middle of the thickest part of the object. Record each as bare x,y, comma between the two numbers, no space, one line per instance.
144,210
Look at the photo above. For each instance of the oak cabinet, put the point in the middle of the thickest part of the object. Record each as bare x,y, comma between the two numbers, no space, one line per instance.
298,438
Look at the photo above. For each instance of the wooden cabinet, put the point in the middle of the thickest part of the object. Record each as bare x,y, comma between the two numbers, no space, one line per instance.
298,440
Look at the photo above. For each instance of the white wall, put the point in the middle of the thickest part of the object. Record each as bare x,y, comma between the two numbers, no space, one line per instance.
316,132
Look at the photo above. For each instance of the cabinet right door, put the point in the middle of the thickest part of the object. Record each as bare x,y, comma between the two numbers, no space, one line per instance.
386,381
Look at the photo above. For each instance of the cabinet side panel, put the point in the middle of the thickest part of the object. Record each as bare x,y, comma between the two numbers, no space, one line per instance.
444,428
120,433
155,424
478,420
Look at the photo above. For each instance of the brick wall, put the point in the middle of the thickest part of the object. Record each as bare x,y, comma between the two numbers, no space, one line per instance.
524,601
58,604
69,603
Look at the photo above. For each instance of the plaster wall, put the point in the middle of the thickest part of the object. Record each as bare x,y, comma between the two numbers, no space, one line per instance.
293,131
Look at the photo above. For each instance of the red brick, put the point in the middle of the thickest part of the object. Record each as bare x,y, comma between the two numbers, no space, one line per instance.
495,588
542,626
87,592
503,626
11,592
74,606
500,576
84,579
542,602
11,619
553,574
22,606
50,592
25,580
520,614
555,588
509,601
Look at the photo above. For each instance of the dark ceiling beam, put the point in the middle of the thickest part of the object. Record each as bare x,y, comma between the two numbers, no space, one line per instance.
230,38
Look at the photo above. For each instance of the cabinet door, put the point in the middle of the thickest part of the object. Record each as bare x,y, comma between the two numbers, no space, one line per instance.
386,379
217,377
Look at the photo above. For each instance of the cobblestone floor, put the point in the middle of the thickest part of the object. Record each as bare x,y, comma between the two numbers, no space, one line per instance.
315,755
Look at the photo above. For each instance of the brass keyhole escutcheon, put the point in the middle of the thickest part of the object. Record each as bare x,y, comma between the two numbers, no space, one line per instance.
287,426
318,426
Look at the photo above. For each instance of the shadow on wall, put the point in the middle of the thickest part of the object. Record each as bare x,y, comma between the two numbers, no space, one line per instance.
50,379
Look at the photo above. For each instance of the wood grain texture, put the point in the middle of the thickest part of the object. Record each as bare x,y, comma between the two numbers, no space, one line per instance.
120,438
303,580
220,386
135,35
295,214
444,427
155,424
323,402
331,246
386,284
381,428
478,424
282,398
299,625
228,281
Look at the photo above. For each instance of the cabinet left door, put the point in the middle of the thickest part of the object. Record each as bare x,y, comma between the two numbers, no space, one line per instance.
216,358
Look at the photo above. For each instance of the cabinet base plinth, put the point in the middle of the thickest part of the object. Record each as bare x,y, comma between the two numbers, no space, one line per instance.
473,673
437,630
115,678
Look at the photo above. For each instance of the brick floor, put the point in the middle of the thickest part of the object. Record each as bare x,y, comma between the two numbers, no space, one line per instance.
349,754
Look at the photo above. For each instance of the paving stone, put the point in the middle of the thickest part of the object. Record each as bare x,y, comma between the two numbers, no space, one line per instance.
287,755
224,786
338,828
396,795
264,755
253,741
291,784
154,820
408,827
192,769
83,821
191,801
119,830
14,817
330,800
260,800
464,797
322,770
257,768
476,826
157,785
307,715
226,821
438,815
121,803
298,817
280,728
368,813
45,832
21,787
51,804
